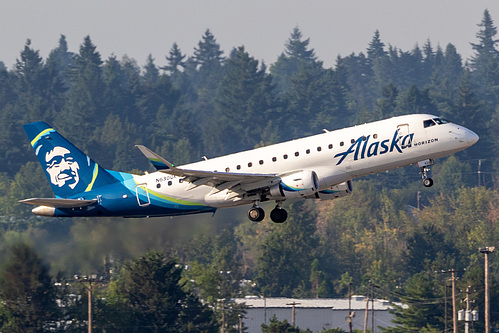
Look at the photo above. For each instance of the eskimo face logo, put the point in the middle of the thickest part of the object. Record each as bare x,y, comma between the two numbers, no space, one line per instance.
62,168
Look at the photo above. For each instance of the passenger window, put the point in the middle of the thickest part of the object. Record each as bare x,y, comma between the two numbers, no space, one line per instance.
342,143
250,165
330,146
285,156
261,162
352,141
238,167
180,180
297,154
169,183
319,148
158,185
364,138
428,123
375,136
274,159
308,151
227,169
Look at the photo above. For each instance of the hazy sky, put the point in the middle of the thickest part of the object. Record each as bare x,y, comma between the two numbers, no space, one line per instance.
139,28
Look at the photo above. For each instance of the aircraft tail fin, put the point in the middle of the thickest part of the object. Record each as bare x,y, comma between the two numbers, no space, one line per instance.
68,169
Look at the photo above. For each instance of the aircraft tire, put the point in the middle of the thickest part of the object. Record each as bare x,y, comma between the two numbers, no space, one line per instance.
278,215
427,182
256,214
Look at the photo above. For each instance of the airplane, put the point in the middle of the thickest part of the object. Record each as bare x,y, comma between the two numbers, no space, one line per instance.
315,167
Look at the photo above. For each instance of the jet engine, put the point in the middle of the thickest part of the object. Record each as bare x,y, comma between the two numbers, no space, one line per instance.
334,192
296,185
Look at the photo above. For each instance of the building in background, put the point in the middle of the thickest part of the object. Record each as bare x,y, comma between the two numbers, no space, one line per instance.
316,314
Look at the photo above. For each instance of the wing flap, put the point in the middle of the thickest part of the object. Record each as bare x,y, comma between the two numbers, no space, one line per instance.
58,203
247,181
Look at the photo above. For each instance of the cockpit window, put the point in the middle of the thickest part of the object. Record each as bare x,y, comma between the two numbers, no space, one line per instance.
435,121
441,121
428,123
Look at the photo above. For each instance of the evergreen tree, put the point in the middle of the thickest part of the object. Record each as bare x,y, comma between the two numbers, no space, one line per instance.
244,103
176,64
32,84
63,62
276,326
315,99
486,47
28,302
286,257
295,56
485,62
424,308
208,58
85,105
376,49
448,70
152,299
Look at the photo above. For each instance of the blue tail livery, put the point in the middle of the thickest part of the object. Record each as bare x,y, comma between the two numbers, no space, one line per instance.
315,167
67,168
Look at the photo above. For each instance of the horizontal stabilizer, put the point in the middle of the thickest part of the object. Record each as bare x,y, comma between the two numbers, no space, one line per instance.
58,203
159,162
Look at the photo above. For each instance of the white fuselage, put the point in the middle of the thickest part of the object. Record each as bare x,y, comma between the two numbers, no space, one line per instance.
335,157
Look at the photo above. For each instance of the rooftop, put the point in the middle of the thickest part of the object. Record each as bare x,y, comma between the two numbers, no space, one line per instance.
358,303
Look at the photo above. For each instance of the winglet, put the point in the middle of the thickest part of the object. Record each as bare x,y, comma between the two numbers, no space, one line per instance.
157,161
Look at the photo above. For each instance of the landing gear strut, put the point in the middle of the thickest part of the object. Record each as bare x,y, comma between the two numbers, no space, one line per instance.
425,169
278,214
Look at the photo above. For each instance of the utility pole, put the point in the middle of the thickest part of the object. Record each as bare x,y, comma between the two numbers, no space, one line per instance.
454,308
293,312
90,283
240,323
350,324
445,307
467,313
486,251
366,314
223,316
479,171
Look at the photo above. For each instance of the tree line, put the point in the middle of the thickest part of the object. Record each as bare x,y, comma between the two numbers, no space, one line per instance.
211,104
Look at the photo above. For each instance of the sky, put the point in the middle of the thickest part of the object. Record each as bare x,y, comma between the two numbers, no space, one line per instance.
150,27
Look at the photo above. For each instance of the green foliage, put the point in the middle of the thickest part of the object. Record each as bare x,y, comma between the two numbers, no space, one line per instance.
287,255
277,326
28,299
151,299
206,104
423,308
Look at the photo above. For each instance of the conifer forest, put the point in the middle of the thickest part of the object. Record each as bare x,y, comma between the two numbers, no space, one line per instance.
167,274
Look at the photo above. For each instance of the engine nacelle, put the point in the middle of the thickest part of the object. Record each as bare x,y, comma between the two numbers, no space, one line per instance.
296,185
334,192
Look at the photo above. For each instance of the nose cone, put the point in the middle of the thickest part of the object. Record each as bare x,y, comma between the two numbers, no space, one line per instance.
471,137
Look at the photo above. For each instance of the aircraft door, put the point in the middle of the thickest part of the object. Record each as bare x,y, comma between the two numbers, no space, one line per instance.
139,190
403,130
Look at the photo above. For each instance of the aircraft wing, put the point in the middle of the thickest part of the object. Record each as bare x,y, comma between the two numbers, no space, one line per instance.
58,203
219,180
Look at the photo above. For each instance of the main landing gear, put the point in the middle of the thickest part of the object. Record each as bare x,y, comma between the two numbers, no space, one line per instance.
425,169
277,215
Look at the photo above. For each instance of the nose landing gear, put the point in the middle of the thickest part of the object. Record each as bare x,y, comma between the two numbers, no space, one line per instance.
425,169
